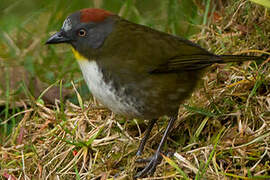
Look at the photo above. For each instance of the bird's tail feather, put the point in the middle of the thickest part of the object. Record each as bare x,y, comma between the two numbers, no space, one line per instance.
240,58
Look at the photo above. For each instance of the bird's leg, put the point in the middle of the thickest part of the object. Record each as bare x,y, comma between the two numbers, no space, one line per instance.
151,166
146,136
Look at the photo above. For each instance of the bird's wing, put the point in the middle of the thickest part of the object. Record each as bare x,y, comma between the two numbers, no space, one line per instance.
186,63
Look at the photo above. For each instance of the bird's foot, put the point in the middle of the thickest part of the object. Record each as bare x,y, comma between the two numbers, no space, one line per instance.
150,167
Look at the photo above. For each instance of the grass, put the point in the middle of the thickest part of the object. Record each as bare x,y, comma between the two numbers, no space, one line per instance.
50,128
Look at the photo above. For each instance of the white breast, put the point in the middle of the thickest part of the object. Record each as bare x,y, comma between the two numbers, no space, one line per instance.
105,92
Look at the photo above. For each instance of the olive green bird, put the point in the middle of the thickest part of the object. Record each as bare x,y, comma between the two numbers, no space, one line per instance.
136,71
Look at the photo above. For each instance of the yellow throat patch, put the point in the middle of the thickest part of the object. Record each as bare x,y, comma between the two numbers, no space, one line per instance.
78,56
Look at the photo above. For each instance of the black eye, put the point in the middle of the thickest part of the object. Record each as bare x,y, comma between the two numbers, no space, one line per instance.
82,32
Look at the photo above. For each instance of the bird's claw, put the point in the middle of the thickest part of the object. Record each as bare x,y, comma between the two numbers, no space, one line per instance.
150,167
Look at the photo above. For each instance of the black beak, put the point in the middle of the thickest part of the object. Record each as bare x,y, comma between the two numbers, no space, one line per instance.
57,38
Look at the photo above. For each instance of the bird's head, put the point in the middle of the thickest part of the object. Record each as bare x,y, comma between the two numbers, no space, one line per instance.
85,29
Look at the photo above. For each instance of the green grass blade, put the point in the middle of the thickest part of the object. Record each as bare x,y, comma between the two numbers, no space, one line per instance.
173,164
199,130
90,141
200,174
206,12
200,111
265,3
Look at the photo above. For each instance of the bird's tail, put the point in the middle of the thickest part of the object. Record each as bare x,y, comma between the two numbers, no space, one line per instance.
240,58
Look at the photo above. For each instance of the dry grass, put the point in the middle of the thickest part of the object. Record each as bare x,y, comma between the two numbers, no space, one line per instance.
222,133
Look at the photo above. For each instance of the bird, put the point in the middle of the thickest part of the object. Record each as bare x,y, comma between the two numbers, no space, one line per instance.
136,71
